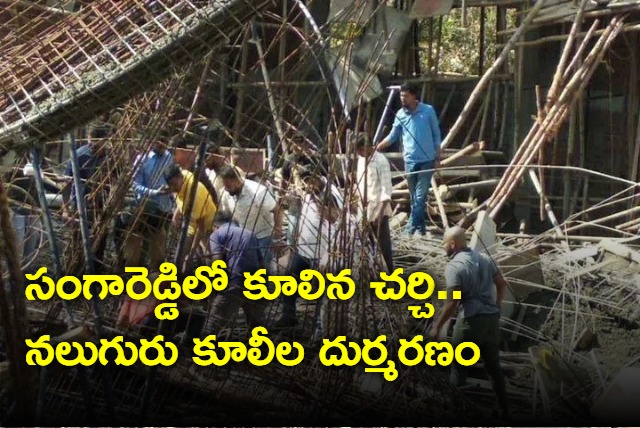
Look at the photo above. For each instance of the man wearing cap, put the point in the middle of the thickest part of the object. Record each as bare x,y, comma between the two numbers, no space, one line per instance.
417,124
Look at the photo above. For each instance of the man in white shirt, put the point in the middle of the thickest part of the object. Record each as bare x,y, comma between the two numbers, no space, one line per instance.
252,206
315,232
374,190
213,163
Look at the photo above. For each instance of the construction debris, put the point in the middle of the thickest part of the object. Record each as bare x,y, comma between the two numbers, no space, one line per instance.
260,81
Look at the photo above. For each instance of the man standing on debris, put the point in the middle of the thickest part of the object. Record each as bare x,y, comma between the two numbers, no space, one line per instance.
417,124
374,189
252,206
477,277
154,195
202,214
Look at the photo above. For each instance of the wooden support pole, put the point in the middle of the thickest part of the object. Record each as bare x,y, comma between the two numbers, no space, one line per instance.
503,116
485,112
540,133
547,206
441,211
445,107
436,69
480,145
541,158
564,57
566,200
468,186
483,16
629,224
635,114
627,212
474,124
517,99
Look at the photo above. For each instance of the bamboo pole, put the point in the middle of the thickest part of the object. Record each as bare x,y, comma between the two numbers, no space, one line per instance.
547,206
628,224
485,112
487,76
540,132
441,210
561,37
605,219
564,57
572,88
583,46
472,185
541,153
557,77
477,146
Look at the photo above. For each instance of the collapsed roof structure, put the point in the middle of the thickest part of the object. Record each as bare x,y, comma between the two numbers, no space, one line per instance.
541,165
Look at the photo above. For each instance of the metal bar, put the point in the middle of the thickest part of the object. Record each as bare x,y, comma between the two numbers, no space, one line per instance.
387,106
323,43
36,154
255,39
81,206
88,254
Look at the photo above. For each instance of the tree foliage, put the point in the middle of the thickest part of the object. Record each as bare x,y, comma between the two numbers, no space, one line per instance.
460,45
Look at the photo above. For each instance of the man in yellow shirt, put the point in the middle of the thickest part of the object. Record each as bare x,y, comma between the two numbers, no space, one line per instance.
203,212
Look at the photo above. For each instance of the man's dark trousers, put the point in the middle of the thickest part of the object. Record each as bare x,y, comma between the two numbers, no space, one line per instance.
484,331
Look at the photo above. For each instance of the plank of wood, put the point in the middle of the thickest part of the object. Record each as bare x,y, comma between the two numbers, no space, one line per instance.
581,254
589,269
620,250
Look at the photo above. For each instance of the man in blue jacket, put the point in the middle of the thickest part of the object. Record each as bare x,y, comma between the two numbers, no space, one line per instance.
417,124
238,248
153,194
